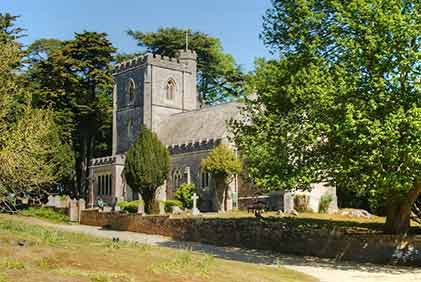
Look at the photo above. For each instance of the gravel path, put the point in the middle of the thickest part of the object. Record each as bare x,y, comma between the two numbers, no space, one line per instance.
326,270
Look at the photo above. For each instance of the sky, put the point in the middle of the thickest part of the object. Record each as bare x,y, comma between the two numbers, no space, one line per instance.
237,23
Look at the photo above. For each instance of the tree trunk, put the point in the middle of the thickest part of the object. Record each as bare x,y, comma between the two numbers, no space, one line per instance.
219,193
148,197
398,211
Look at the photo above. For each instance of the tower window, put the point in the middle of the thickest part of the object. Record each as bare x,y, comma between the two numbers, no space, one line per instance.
171,88
131,90
130,128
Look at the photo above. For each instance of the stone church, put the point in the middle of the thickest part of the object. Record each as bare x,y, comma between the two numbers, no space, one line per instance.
161,93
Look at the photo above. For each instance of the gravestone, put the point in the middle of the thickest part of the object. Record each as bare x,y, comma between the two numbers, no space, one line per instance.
74,210
107,209
81,206
141,209
195,210
57,201
51,202
161,208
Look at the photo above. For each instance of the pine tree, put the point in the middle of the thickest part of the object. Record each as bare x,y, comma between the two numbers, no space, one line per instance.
147,166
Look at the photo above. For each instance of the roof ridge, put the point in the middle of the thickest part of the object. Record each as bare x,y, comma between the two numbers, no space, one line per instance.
207,108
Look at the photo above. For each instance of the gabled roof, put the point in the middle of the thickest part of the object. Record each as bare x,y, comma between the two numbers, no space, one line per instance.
205,123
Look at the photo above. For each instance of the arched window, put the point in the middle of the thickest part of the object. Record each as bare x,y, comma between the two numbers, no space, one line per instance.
171,88
130,128
205,177
177,179
131,90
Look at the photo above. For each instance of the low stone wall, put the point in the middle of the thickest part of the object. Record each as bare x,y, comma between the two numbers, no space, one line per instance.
272,235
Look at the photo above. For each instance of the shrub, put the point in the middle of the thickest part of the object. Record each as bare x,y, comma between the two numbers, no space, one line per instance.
184,194
130,206
172,203
301,203
46,213
324,203
222,163
147,166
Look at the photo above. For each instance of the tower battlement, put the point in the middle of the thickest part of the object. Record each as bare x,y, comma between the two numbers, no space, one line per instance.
172,62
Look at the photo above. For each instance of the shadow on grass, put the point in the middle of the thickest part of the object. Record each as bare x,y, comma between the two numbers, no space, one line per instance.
270,258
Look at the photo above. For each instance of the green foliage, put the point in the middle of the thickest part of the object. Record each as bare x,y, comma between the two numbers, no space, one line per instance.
8,31
74,79
219,78
130,206
185,193
324,203
147,166
45,213
222,161
343,103
32,153
223,164
169,204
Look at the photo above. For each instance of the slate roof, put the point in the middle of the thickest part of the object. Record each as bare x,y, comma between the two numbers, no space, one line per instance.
205,123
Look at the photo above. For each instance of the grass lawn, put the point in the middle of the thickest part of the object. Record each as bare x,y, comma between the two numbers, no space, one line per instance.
50,255
45,213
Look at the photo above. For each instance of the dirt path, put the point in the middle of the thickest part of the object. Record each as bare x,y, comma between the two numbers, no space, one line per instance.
327,270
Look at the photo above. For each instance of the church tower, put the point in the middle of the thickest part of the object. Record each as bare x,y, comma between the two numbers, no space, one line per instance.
149,89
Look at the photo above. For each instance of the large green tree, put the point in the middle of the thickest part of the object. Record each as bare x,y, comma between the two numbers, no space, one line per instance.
8,30
73,77
223,165
219,77
343,103
147,166
33,156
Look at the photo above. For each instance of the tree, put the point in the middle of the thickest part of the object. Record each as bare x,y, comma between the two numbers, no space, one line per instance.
342,104
74,78
8,31
219,78
147,166
223,164
32,155
184,194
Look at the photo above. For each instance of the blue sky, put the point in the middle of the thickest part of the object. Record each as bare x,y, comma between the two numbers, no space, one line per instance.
236,22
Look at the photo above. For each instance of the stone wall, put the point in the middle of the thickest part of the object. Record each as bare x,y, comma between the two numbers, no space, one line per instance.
269,234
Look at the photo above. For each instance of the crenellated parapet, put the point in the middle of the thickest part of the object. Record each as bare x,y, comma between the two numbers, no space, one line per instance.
116,159
102,161
193,146
129,64
155,59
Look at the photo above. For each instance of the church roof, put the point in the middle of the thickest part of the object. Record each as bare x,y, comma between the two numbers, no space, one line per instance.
202,124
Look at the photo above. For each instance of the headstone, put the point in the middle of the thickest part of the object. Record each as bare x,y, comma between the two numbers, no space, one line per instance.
195,210
100,203
51,202
107,209
74,210
176,210
161,208
57,201
141,209
81,206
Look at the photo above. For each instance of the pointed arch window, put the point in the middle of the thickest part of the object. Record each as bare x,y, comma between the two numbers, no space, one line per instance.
130,128
177,179
171,89
131,90
204,179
